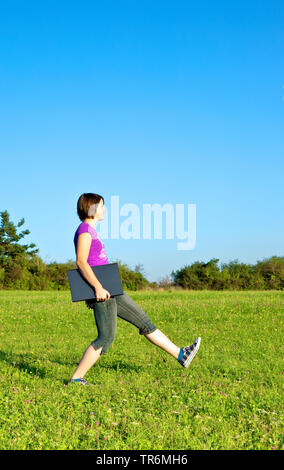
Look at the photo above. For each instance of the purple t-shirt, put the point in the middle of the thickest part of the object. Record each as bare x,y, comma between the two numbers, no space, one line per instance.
97,254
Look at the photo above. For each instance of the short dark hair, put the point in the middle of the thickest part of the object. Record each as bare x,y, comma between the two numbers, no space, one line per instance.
84,202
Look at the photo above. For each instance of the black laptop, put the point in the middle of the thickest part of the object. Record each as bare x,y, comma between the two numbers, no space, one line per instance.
107,274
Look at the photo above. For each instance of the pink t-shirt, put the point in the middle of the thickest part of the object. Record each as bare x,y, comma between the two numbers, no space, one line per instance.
97,254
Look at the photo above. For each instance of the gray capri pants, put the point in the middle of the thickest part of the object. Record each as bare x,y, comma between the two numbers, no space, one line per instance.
106,313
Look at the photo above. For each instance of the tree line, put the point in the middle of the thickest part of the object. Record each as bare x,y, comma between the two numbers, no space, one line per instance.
22,268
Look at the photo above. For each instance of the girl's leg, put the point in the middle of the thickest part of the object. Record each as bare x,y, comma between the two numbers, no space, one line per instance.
131,312
105,314
89,358
159,339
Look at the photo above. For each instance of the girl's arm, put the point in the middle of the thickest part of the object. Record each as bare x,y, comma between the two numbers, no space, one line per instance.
83,249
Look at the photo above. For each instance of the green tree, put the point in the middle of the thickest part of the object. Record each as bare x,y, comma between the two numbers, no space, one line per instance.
9,246
272,272
130,279
199,275
14,257
240,274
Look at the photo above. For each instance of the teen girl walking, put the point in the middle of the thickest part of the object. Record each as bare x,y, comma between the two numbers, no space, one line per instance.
90,251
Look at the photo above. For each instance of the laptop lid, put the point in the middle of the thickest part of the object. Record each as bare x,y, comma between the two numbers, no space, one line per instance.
107,274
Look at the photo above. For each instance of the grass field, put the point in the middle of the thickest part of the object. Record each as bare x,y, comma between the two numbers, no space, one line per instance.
229,398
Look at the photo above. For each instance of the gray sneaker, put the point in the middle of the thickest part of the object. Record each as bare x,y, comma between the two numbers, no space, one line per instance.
189,353
80,381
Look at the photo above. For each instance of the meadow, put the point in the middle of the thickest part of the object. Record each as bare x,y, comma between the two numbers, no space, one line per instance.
230,397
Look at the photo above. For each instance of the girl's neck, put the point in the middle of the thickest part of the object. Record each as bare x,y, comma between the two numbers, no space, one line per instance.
91,222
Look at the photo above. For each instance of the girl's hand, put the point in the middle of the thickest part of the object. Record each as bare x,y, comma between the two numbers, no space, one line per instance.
102,294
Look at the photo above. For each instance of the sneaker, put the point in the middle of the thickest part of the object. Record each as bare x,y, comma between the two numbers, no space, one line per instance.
189,353
80,381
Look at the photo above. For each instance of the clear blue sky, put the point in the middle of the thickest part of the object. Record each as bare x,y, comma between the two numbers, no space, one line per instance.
156,102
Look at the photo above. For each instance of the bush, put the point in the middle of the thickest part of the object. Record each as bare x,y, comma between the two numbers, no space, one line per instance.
266,274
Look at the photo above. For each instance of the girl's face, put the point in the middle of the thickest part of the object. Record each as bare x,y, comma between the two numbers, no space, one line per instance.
100,214
97,210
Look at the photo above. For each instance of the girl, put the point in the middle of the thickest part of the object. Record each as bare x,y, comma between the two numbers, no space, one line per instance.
90,251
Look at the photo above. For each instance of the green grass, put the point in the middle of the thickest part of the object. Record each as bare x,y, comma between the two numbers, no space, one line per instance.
229,398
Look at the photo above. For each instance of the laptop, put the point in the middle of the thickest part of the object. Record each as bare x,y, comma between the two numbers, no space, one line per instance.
107,274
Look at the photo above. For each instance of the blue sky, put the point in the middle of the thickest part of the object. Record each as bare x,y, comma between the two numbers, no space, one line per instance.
154,102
